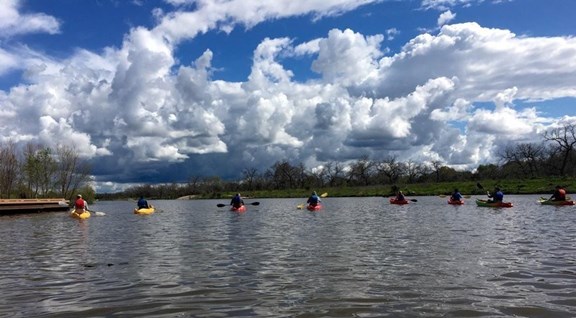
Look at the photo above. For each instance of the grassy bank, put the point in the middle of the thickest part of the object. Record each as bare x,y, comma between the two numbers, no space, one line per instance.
527,186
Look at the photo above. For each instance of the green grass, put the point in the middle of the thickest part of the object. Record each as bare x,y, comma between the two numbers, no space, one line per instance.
527,186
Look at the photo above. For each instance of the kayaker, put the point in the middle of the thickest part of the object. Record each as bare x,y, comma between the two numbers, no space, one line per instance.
559,194
456,196
142,203
400,196
497,196
80,204
237,201
314,199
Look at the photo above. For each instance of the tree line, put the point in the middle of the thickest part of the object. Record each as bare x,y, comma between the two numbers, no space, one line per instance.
553,156
36,171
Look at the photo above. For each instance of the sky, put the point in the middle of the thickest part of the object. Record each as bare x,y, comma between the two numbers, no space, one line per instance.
165,90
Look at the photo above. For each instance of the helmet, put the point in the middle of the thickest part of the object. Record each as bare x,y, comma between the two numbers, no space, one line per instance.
78,195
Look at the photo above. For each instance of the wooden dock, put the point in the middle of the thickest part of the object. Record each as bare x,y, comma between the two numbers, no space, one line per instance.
13,206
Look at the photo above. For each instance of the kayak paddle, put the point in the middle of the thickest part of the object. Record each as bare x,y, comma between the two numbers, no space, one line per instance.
220,205
97,213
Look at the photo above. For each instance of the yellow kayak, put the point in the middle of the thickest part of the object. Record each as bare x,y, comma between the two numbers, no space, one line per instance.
84,214
149,210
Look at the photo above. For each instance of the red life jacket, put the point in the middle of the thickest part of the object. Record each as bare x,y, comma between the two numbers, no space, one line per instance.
79,204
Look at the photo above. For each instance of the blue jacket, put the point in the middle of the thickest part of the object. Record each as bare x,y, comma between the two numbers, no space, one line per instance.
313,200
456,196
498,196
237,201
142,203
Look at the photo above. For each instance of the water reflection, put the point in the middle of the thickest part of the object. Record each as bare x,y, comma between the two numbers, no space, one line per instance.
356,257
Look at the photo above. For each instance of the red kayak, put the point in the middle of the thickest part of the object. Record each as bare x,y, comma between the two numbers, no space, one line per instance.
241,208
314,207
394,201
455,202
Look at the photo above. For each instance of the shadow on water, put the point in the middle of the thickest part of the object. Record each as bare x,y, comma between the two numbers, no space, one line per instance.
355,257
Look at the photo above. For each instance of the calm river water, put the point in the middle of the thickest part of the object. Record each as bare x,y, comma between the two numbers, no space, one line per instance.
358,257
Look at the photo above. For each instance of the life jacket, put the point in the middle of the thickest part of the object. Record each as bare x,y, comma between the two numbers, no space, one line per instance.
79,204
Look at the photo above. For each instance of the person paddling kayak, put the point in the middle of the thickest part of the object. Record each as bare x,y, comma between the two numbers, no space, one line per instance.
314,199
237,201
559,194
142,203
80,204
497,196
456,195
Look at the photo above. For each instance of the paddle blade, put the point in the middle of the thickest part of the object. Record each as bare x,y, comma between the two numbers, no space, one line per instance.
220,205
99,213
300,207
442,195
255,203
413,200
479,186
323,195
467,196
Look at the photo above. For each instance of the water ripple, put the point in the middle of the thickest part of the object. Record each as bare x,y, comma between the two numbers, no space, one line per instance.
357,257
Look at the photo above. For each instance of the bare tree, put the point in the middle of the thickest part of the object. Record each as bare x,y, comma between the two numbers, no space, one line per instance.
436,165
193,185
526,156
361,171
391,168
334,172
489,171
8,169
413,170
565,139
285,176
72,173
249,175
